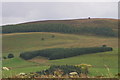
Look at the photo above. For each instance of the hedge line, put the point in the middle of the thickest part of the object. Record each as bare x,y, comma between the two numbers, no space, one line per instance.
59,53
61,28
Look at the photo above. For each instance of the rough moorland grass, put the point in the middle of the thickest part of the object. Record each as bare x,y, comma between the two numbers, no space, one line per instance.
20,42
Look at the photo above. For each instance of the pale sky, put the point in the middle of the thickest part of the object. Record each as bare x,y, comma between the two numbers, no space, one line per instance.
19,12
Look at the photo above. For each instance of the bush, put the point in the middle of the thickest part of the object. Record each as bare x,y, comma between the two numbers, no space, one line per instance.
88,17
10,55
66,69
59,53
104,45
42,39
4,57
53,36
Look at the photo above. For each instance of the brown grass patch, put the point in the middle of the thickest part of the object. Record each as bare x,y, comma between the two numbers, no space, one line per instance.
39,59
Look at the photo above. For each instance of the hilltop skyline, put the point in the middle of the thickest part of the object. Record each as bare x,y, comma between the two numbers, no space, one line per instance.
20,12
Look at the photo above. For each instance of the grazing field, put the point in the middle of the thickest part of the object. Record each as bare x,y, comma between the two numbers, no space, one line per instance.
21,42
16,43
17,62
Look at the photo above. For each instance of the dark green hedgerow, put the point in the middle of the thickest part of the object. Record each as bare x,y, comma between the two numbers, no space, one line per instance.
59,53
61,28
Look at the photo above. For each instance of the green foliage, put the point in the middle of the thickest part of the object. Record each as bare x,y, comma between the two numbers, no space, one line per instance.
66,69
61,28
97,60
53,36
104,45
104,31
10,55
59,53
42,39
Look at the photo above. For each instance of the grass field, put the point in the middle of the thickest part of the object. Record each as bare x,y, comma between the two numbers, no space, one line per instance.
19,42
97,60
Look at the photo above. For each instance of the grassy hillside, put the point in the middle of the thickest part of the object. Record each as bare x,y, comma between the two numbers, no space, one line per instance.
98,61
77,33
93,22
21,42
101,27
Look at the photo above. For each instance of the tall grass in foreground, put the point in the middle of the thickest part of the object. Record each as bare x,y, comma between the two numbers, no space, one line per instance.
109,74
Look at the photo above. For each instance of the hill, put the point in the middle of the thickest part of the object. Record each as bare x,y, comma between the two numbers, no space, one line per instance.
21,42
95,26
79,33
94,22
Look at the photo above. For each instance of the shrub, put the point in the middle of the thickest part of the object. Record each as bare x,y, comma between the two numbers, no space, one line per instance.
4,57
63,69
104,45
88,17
10,55
53,36
42,39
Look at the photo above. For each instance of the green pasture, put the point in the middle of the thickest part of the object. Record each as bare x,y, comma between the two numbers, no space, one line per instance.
19,42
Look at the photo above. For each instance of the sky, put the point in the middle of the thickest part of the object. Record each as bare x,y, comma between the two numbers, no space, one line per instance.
20,12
